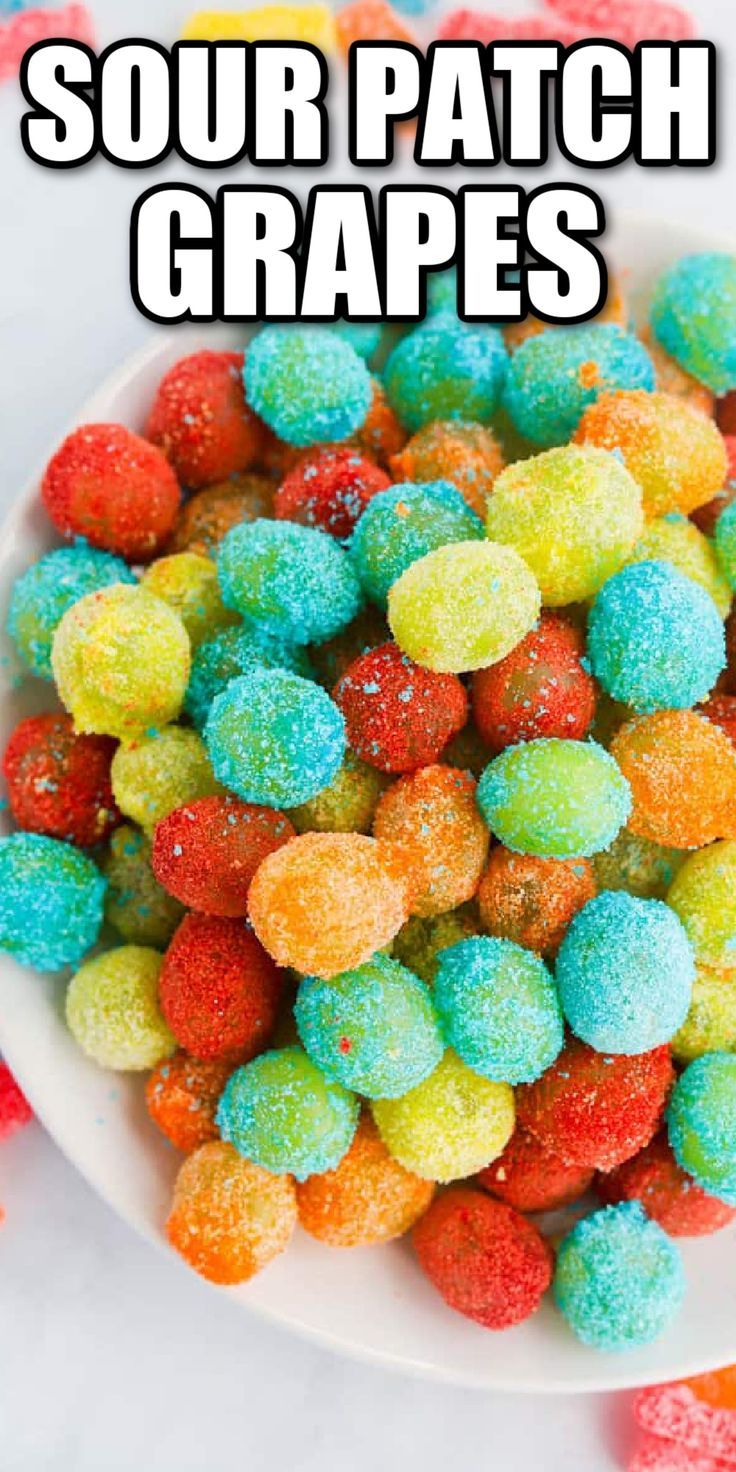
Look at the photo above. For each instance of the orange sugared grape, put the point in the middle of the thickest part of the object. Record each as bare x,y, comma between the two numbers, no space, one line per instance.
369,1197
229,1217
682,773
432,817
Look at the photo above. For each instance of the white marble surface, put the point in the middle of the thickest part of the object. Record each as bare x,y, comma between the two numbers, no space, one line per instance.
113,1357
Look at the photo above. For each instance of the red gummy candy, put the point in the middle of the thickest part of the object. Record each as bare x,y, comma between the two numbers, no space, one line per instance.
399,716
674,1413
329,488
478,25
655,1455
207,852
114,488
201,421
59,782
219,990
540,689
486,1260
669,1196
596,1109
15,1111
20,31
627,21
530,1178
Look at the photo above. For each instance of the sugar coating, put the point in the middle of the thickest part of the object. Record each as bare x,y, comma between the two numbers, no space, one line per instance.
449,1126
445,369
42,595
201,421
58,783
114,488
207,851
701,1121
307,383
668,1194
726,542
710,1025
367,1198
282,1113
235,652
655,1454
112,1009
531,901
399,716
275,738
703,894
404,523
209,515
486,1260
219,990
542,688
673,538
618,1280
574,514
294,581
347,805
655,638
135,903
597,1109
556,799
552,378
51,899
679,1416
364,337
442,291
463,606
182,1094
674,452
120,659
374,1028
642,868
157,773
326,902
433,818
625,973
498,1008
530,1178
228,1217
419,943
187,581
466,454
682,773
329,488
693,316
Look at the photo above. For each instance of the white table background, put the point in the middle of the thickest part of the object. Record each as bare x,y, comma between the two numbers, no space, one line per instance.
112,1357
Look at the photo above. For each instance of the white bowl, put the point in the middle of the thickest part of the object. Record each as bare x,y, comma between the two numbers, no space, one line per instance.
370,1303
